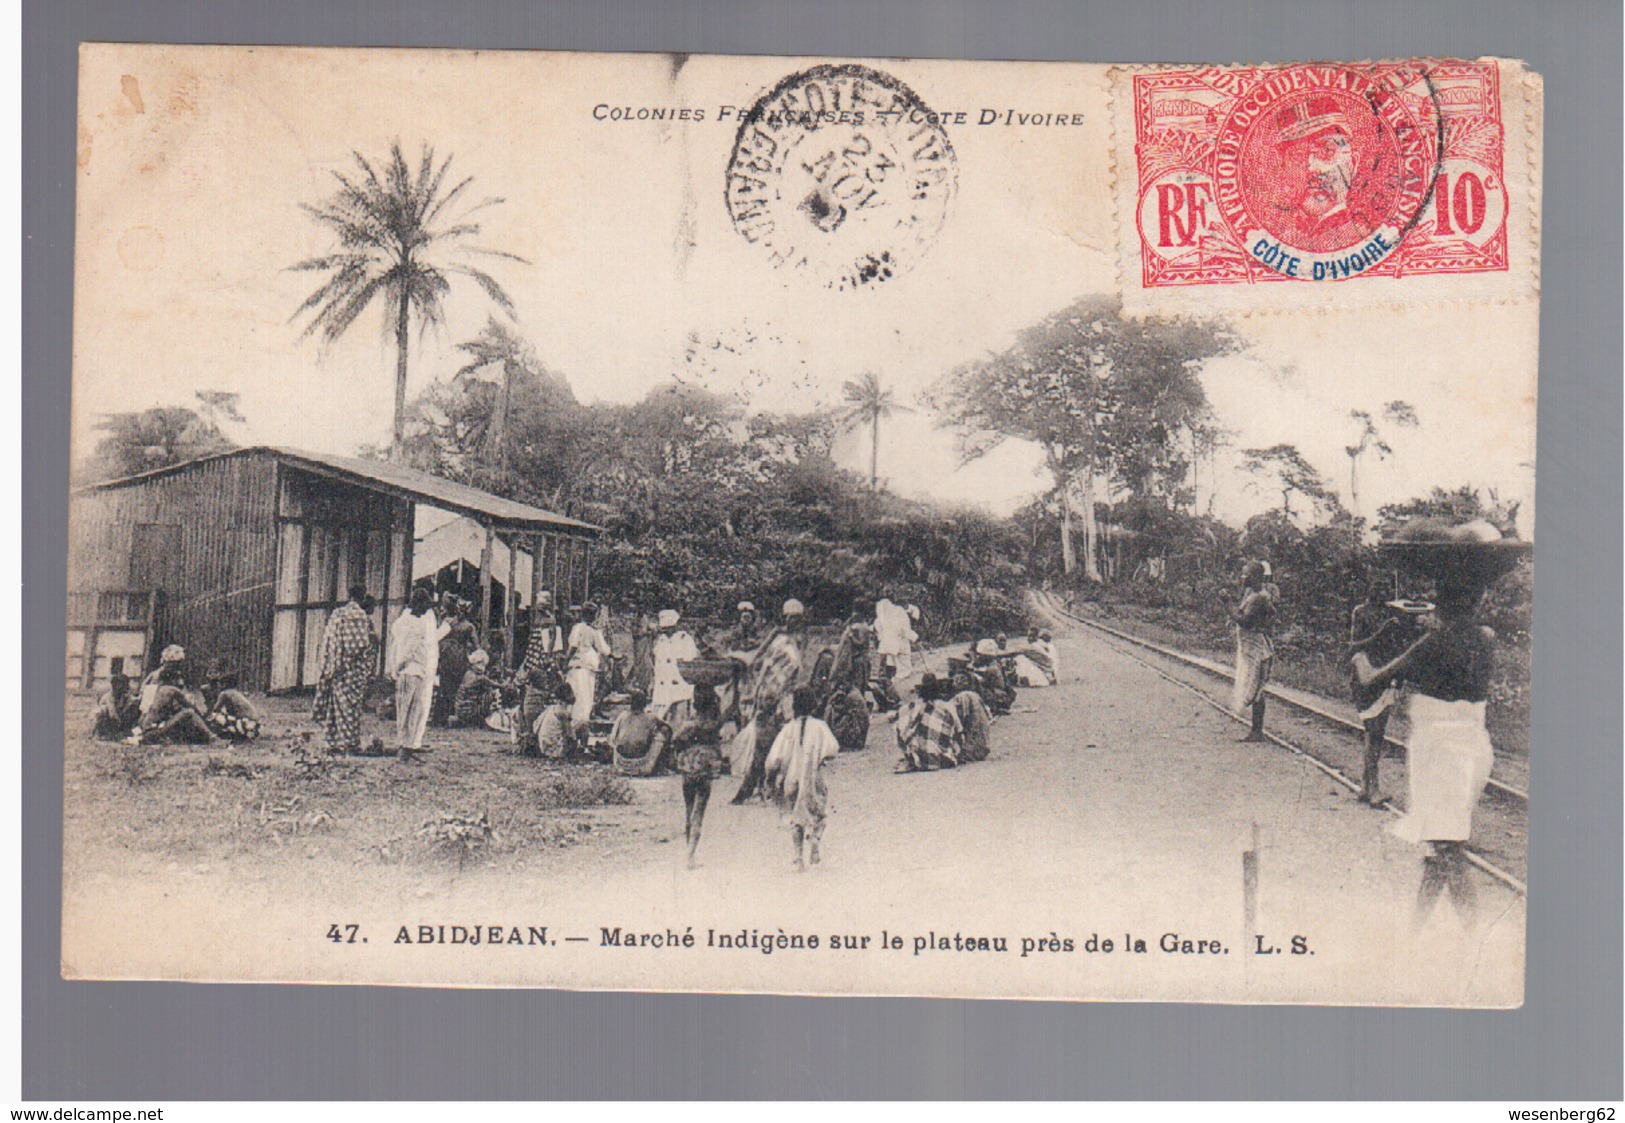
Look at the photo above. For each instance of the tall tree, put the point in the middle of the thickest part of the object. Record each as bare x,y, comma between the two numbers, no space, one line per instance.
1283,468
157,438
498,344
1397,413
869,403
1109,401
392,224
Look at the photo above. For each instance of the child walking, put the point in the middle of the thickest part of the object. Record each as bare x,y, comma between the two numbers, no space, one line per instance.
795,774
697,747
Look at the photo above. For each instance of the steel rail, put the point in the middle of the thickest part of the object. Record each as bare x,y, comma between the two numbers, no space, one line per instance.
1476,859
1202,665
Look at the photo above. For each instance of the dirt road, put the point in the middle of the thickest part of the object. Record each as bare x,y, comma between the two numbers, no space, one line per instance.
1115,808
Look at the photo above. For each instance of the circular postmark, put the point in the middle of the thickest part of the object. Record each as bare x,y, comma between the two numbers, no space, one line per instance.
1321,170
842,172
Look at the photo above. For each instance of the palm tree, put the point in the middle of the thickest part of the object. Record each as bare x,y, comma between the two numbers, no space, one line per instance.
867,402
389,222
498,344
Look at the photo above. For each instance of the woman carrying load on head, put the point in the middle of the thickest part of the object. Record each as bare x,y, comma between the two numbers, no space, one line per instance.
349,657
1448,672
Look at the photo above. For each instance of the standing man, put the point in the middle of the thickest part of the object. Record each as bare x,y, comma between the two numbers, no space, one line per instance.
458,641
777,671
894,639
1255,646
546,637
747,632
1381,638
671,695
414,662
588,650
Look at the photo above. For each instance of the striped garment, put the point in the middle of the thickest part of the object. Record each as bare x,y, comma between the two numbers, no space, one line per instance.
777,670
930,735
477,697
348,647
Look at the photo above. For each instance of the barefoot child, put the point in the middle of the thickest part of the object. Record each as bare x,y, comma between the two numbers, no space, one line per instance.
794,770
697,747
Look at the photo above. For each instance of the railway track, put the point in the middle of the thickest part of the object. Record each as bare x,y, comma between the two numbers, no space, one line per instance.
1507,793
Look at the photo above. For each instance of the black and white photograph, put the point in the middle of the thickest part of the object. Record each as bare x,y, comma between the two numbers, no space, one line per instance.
787,525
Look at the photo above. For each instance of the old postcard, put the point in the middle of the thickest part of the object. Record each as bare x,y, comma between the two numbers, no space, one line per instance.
803,525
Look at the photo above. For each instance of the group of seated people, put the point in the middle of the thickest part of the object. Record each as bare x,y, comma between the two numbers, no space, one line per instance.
167,710
948,721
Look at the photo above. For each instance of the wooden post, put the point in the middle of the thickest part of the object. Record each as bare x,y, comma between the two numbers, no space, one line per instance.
536,541
485,585
382,660
511,601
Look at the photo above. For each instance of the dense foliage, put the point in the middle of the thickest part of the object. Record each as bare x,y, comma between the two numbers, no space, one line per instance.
706,503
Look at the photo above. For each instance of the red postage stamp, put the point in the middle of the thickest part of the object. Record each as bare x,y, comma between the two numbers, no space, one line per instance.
1319,172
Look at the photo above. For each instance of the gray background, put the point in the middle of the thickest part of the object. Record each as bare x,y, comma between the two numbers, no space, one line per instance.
175,1041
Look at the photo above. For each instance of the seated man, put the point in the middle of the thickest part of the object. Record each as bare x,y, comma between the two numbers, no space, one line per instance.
175,716
555,736
993,682
117,710
638,739
1051,662
229,712
929,734
973,719
1032,666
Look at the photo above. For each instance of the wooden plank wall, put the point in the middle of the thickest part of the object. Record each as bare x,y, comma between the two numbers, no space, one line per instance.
216,595
333,533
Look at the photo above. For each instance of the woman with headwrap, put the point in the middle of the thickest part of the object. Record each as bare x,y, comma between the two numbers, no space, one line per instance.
477,695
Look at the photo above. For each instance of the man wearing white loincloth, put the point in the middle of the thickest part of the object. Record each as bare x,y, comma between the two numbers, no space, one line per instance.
1255,645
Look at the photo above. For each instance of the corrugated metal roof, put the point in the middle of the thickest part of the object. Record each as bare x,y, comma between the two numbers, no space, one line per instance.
406,482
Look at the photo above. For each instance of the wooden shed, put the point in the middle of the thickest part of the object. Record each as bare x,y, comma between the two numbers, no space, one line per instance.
241,556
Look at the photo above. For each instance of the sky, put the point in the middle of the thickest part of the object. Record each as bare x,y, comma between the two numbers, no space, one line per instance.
193,164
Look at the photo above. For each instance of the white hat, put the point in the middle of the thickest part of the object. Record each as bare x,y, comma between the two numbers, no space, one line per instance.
986,647
174,653
913,612
668,618
746,606
793,607
544,597
478,657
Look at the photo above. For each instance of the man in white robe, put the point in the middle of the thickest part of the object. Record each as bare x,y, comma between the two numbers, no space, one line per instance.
671,696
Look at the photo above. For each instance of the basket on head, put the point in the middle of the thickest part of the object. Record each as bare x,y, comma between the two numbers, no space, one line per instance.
1474,553
707,672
